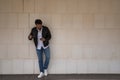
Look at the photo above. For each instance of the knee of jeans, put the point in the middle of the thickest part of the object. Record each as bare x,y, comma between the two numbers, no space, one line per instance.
39,60
48,57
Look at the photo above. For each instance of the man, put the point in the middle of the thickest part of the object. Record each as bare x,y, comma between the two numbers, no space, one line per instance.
41,36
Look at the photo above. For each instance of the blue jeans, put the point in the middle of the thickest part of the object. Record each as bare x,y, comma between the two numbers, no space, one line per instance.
43,65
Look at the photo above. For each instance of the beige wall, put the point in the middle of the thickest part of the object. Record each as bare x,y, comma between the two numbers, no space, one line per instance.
85,35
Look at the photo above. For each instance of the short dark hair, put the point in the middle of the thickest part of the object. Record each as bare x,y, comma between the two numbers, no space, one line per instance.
38,21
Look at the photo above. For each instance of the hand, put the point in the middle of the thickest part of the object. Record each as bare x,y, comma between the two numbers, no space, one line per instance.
42,39
30,37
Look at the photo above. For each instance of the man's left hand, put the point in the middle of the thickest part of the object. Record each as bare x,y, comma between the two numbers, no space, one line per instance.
42,39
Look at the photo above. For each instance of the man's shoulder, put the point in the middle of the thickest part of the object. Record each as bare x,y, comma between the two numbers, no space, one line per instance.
44,27
33,28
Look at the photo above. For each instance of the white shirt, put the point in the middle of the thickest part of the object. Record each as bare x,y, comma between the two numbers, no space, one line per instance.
40,43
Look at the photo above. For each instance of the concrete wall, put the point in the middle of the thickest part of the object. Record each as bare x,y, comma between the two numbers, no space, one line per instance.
85,35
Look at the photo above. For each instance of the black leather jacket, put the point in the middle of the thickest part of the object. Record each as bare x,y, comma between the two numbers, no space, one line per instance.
45,34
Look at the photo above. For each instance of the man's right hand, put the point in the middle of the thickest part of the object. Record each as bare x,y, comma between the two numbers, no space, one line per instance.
30,37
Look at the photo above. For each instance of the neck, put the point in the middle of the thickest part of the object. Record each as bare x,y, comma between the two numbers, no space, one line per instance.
39,29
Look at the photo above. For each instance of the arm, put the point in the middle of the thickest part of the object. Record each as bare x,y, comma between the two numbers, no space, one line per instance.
48,37
30,37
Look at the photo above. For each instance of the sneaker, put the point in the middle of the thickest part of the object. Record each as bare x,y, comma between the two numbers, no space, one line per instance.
45,72
41,75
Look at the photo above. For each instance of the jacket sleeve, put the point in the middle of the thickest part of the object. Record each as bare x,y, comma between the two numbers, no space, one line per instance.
31,34
48,35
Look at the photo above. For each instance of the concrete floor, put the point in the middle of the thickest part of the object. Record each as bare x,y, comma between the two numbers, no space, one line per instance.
63,77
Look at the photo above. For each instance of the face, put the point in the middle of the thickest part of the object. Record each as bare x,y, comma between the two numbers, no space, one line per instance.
39,26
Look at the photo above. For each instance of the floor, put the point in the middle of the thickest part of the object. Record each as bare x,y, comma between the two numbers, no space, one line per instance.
63,77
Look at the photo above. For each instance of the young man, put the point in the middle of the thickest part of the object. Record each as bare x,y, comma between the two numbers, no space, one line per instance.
41,36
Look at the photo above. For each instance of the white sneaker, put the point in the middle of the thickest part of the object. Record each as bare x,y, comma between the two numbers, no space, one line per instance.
41,75
45,72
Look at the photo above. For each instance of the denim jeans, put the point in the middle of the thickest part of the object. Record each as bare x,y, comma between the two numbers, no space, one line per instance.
43,65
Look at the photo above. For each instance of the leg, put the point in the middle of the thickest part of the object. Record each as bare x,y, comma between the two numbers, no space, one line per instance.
40,59
47,57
